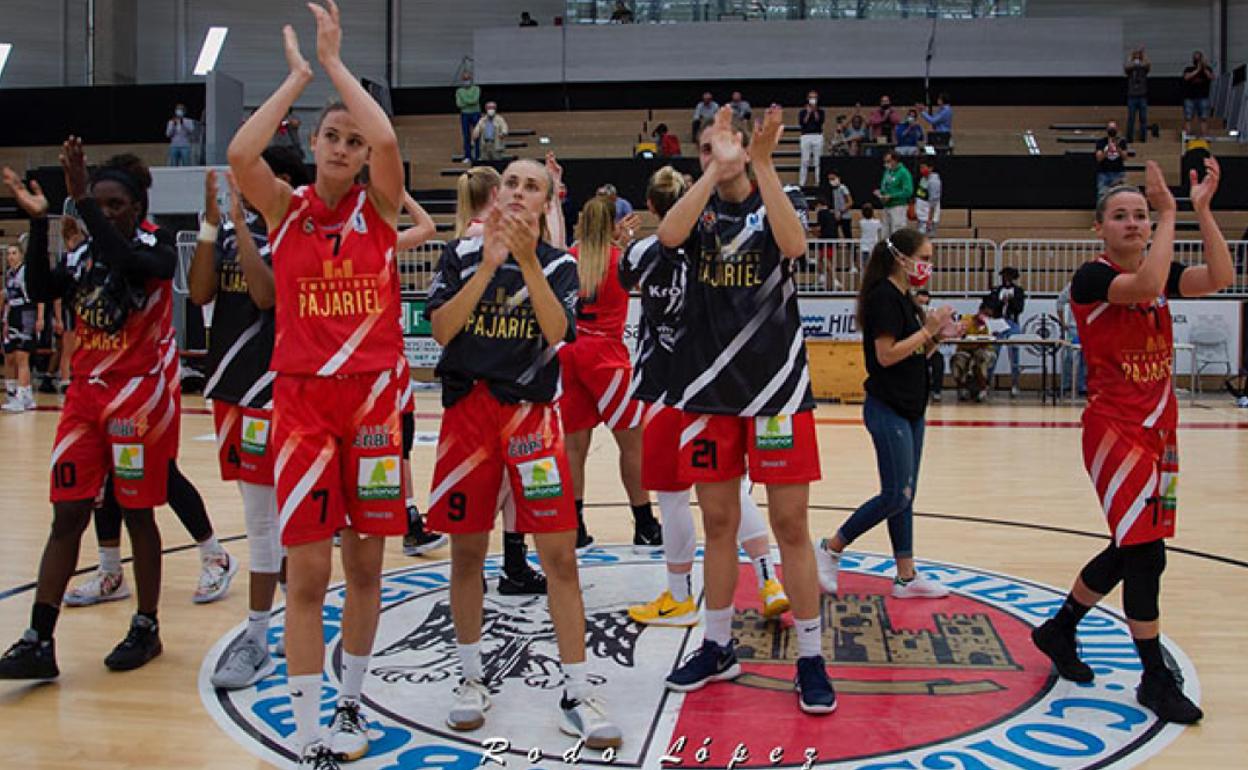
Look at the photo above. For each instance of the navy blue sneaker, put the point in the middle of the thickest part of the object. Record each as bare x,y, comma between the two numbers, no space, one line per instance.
814,690
710,663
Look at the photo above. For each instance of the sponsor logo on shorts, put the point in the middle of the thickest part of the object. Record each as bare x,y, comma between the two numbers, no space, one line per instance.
373,437
523,446
986,697
540,479
774,432
378,478
774,463
126,427
255,435
128,461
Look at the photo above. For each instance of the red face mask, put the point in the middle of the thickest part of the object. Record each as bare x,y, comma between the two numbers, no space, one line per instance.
919,272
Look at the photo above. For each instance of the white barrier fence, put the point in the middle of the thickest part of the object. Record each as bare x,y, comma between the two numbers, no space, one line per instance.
964,267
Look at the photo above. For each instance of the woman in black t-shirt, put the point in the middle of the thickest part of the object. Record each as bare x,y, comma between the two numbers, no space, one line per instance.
896,341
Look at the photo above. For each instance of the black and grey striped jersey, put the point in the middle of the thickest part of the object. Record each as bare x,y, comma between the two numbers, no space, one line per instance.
15,287
743,351
240,342
502,343
659,274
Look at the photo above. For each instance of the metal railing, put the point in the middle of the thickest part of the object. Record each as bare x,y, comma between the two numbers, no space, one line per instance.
669,11
1046,266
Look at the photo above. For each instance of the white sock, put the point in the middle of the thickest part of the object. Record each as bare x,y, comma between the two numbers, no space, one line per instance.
110,559
809,637
678,583
210,547
576,680
719,625
763,568
470,660
258,627
305,701
354,667
411,503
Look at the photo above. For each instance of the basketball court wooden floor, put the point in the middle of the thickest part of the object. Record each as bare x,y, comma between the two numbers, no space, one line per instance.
1002,490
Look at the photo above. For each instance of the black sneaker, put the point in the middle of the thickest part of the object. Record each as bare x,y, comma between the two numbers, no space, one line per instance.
648,534
710,663
142,643
583,538
1160,692
814,689
524,581
1059,645
30,658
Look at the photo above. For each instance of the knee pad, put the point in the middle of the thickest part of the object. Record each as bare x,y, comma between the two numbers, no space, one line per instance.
680,539
1104,571
753,524
1142,568
263,538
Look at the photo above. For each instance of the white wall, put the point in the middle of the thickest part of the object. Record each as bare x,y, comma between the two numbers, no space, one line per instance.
1237,26
1169,29
41,56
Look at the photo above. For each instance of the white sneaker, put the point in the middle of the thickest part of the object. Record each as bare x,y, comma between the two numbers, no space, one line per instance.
348,732
587,719
14,405
472,700
828,563
279,649
214,578
101,587
245,664
318,756
919,588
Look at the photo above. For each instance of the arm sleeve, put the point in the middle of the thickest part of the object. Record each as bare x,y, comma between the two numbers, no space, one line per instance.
567,287
44,283
636,260
1172,282
906,184
1091,283
447,281
136,261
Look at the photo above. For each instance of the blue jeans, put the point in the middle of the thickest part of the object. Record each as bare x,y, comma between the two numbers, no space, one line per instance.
898,449
1137,105
1012,351
1106,180
1068,363
179,155
467,122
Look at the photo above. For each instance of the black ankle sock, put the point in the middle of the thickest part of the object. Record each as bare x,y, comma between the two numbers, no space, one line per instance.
642,514
149,615
1070,614
580,514
43,620
415,522
1150,654
513,551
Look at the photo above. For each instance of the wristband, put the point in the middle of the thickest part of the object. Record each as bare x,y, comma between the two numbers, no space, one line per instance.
207,232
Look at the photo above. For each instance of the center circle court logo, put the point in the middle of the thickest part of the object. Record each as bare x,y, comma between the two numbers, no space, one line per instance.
921,683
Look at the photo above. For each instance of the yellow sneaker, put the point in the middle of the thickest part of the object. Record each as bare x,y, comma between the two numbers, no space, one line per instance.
775,603
666,611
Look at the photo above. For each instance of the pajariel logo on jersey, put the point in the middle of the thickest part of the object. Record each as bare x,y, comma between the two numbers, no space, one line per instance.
951,683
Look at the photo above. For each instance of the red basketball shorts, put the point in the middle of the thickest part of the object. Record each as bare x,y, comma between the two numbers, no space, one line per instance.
127,425
1136,473
597,377
780,450
244,449
480,440
660,450
338,461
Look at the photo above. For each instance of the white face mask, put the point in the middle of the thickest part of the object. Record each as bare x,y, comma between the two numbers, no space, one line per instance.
179,113
812,102
490,113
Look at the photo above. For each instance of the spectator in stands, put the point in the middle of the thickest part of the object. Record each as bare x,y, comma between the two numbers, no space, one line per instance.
622,207
740,109
622,13
895,192
1006,301
1137,69
468,102
1196,81
936,361
526,20
927,198
972,365
1070,333
909,135
883,121
491,131
870,232
838,145
810,120
288,134
939,117
1111,153
703,114
840,209
855,134
180,130
667,142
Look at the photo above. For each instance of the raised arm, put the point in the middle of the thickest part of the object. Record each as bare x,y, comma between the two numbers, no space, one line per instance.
553,317
726,156
266,192
1218,272
40,284
786,226
423,229
1147,283
201,279
554,210
385,165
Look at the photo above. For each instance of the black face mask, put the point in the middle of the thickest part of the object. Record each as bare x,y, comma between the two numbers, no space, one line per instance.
1112,132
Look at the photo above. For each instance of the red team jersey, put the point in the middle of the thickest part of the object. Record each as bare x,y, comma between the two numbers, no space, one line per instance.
337,286
603,313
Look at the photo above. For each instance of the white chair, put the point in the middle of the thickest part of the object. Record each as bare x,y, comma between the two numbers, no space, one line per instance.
1212,349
